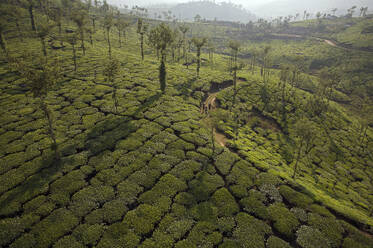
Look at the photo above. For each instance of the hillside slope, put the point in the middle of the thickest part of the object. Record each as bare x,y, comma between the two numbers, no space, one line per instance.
149,173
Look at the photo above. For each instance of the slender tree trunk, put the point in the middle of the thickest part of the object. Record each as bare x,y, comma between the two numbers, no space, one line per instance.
19,31
108,41
184,45
234,86
94,25
162,73
115,98
142,45
44,48
74,57
120,39
60,32
90,39
82,40
298,157
198,60
52,135
2,42
31,12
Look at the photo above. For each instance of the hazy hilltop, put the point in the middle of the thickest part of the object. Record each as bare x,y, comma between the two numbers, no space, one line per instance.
210,10
287,7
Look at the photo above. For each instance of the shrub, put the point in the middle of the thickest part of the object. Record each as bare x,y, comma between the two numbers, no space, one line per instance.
225,202
300,213
321,210
329,227
68,241
204,234
271,192
308,237
142,219
284,221
250,232
119,235
275,242
47,231
225,161
89,198
254,205
10,228
88,234
294,197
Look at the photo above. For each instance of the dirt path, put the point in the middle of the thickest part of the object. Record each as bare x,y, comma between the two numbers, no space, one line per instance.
220,138
327,41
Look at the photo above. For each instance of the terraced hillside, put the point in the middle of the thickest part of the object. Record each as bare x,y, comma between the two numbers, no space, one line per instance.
150,173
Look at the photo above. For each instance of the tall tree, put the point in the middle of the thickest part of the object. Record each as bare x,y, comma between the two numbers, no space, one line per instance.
111,70
43,30
184,29
80,19
121,26
41,79
199,43
265,63
73,40
305,131
30,5
234,46
162,37
141,30
108,23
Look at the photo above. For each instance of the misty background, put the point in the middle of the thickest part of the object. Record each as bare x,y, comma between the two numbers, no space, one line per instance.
243,10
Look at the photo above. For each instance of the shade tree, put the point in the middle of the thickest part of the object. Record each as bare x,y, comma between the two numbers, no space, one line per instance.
141,30
108,24
41,77
305,132
80,17
199,42
111,70
162,37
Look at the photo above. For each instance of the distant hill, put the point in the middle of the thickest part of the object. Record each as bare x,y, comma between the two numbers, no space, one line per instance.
287,7
207,10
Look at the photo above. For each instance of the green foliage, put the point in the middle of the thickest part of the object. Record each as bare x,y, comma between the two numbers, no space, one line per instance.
329,227
275,242
308,237
285,221
294,197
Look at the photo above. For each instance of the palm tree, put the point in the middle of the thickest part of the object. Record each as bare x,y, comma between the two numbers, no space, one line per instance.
199,43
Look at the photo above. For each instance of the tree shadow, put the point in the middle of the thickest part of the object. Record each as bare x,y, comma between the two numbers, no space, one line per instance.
185,88
102,137
147,104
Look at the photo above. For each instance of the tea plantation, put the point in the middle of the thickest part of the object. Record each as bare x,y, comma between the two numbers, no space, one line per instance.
138,167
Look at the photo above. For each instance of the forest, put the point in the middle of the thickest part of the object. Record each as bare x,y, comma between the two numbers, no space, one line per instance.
118,129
